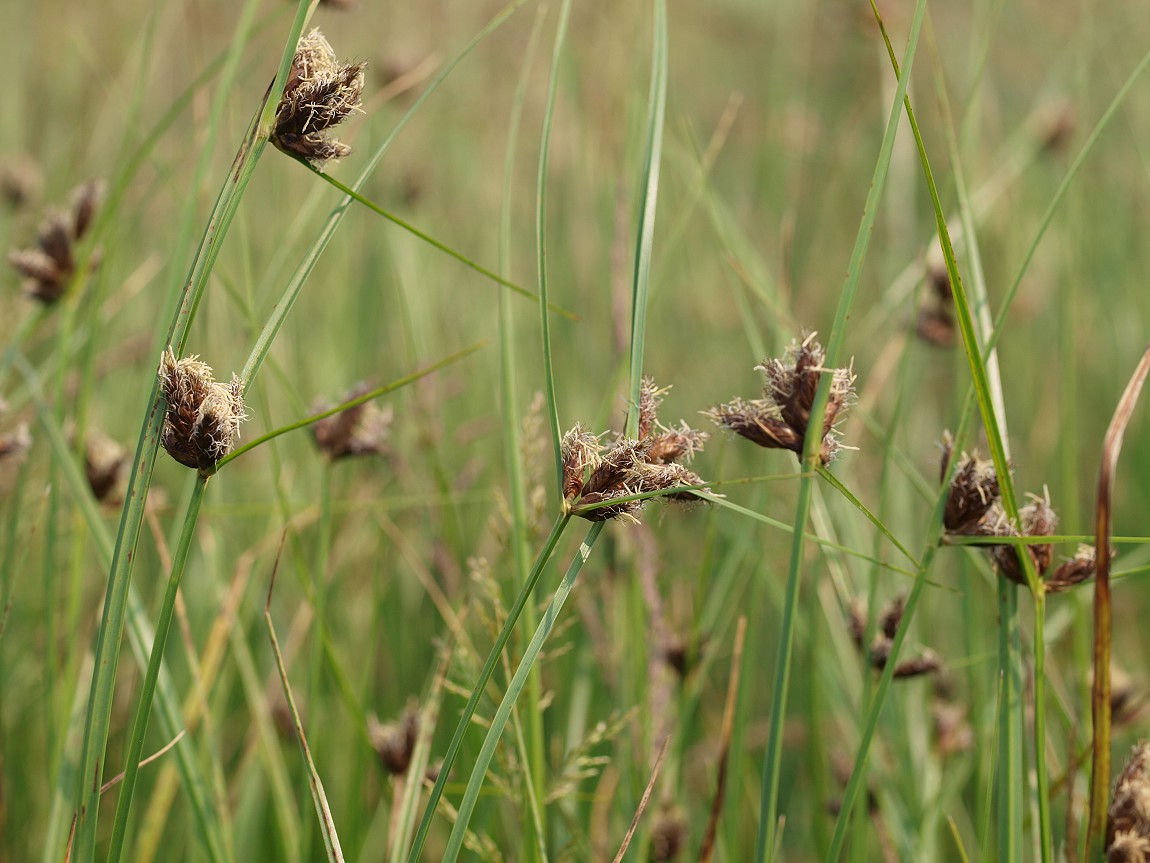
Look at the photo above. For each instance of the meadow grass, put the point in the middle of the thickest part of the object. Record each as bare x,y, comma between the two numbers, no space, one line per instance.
406,644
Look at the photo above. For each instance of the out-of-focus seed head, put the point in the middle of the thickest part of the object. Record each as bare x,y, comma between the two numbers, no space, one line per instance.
668,835
357,431
15,444
202,421
1128,818
49,266
394,742
320,93
20,180
104,461
953,733
973,492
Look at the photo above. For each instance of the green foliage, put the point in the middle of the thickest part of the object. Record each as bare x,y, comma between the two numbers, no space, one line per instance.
508,156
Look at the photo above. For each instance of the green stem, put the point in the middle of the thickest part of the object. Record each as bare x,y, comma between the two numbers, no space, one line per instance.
477,692
530,655
147,693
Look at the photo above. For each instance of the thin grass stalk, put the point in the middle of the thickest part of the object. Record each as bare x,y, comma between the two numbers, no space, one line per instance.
552,407
1100,698
484,676
148,690
978,361
115,603
319,798
657,110
769,802
513,454
530,655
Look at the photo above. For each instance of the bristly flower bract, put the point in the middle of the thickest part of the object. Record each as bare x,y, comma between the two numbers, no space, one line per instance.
595,474
320,93
780,418
202,421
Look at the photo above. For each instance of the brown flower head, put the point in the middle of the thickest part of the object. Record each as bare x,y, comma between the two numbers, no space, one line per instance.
320,93
203,417
360,430
594,474
1078,569
1128,818
49,266
394,742
779,420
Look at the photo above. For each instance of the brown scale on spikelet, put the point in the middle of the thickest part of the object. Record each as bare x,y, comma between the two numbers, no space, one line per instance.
49,266
594,474
779,420
202,421
394,742
320,93
1037,518
360,430
1128,818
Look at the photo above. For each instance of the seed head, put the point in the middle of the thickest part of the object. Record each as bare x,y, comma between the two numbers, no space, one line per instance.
1037,518
668,834
320,93
594,474
202,421
779,420
48,267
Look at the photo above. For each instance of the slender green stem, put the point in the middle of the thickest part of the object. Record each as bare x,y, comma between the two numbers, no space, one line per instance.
481,683
530,655
148,691
657,110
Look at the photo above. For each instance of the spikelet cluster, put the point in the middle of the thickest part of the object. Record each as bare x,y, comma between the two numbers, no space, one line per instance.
595,474
779,419
48,266
320,93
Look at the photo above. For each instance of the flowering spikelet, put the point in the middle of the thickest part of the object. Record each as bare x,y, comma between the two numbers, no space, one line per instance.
1128,818
50,265
594,474
1075,571
359,430
320,93
779,420
202,422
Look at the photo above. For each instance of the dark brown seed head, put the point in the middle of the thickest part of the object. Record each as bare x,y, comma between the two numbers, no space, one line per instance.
892,616
50,265
1037,519
202,420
